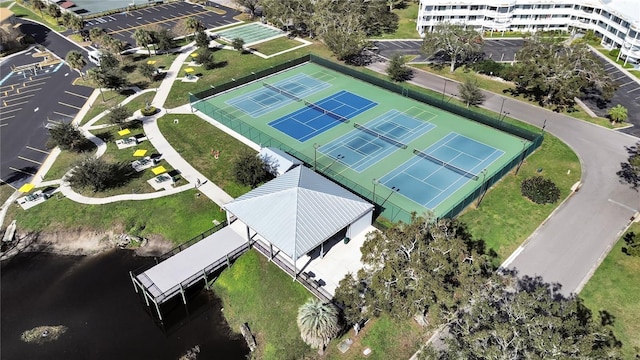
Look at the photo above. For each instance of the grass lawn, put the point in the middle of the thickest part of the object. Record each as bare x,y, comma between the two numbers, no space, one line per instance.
64,162
506,218
194,139
5,192
276,45
137,103
614,288
257,292
25,12
232,64
461,74
177,217
111,99
406,23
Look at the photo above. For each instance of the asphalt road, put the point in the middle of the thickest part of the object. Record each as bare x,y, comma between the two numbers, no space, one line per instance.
567,247
123,25
502,50
32,100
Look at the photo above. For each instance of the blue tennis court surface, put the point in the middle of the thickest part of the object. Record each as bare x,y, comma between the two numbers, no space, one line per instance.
321,116
428,182
262,101
371,142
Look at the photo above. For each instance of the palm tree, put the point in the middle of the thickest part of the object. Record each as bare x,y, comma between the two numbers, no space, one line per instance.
318,323
194,25
54,11
95,34
143,38
618,113
76,61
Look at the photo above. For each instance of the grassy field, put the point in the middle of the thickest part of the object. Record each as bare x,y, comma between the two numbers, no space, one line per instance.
25,12
5,193
111,99
231,64
257,292
194,139
177,217
276,45
614,288
406,24
461,74
139,102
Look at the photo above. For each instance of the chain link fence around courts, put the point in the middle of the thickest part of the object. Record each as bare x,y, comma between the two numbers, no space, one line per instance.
385,207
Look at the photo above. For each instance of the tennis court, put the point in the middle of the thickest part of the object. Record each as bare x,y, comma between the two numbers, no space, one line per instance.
367,145
399,152
262,101
437,172
316,118
251,33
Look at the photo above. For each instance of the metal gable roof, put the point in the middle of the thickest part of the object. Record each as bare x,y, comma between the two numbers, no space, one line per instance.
299,210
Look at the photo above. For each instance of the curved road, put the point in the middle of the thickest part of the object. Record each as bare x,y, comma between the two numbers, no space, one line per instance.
570,244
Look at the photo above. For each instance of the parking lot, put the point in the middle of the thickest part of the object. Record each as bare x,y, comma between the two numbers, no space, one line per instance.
500,50
30,100
123,25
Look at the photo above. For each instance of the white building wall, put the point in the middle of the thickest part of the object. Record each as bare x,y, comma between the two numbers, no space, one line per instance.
360,225
618,30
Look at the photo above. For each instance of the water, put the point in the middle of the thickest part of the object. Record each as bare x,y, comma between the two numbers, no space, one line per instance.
94,298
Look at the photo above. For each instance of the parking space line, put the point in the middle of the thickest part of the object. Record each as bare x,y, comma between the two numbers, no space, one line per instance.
61,114
38,79
1,125
175,18
74,94
21,91
34,84
620,77
71,106
625,84
7,118
20,170
16,104
36,149
31,160
12,110
632,90
20,98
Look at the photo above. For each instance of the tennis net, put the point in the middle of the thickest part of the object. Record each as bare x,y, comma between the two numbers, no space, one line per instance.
307,103
378,135
445,164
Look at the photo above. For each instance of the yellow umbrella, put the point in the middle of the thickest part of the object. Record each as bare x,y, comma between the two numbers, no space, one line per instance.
151,62
189,70
194,55
26,188
124,132
140,152
158,170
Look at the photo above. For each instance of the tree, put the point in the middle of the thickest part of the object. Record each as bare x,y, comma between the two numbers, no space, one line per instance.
76,61
289,13
251,170
238,44
250,6
339,25
95,34
194,24
397,70
67,136
318,323
113,45
66,19
377,18
554,72
144,38
470,92
206,58
147,70
423,269
452,43
109,61
38,5
527,319
108,78
629,172
119,114
633,244
164,40
202,39
99,175
76,23
540,190
618,113
54,11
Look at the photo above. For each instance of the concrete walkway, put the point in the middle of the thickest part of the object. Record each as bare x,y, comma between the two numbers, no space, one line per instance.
571,243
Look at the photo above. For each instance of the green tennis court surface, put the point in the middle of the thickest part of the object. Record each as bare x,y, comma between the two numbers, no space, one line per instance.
251,33
400,152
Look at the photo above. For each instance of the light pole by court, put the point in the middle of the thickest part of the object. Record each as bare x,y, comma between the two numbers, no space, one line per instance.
501,107
393,190
338,157
483,188
444,89
504,115
375,182
315,156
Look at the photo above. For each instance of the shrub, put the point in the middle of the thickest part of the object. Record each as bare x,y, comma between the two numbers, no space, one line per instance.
149,110
614,52
540,190
488,67
252,170
633,244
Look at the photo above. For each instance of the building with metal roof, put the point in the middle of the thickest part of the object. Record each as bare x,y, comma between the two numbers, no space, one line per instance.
298,211
281,161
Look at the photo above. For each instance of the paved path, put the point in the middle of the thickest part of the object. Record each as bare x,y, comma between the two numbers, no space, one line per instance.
569,245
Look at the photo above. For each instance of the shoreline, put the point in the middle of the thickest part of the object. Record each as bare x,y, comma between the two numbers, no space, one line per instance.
81,242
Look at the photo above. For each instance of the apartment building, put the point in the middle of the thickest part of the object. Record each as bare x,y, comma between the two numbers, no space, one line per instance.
617,22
